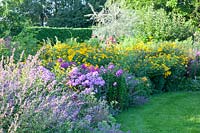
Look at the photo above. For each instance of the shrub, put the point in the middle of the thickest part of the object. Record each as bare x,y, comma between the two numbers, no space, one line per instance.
189,84
62,34
114,21
162,63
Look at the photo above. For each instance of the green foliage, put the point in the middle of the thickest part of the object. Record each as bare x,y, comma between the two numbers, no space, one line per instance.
187,8
59,13
116,90
189,84
161,26
23,42
62,34
26,42
143,87
72,13
11,21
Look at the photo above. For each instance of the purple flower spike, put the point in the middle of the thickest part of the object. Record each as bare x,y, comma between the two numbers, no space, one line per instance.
119,72
60,60
65,65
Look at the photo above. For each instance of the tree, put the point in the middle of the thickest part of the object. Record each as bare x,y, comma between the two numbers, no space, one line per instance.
11,20
190,9
71,13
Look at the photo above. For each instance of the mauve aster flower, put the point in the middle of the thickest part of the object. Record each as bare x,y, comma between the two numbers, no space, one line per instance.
102,69
119,72
65,65
60,60
111,66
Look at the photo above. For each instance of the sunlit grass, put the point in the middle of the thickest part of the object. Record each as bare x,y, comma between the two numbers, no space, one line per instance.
166,113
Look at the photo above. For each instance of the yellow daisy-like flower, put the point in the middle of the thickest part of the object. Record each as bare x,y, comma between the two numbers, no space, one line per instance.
167,73
144,79
70,57
160,49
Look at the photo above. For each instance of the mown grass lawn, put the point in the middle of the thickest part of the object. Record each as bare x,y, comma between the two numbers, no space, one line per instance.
177,112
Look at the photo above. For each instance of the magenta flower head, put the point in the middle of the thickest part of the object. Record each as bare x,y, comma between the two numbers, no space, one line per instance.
119,72
111,66
65,65
60,60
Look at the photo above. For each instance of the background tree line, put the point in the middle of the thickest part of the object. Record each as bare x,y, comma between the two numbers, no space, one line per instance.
16,14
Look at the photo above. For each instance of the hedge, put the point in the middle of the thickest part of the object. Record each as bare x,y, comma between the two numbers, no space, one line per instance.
41,33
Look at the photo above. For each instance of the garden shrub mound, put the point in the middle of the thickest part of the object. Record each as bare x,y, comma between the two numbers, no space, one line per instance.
170,112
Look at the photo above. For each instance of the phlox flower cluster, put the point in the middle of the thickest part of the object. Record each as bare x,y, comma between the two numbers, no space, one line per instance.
85,77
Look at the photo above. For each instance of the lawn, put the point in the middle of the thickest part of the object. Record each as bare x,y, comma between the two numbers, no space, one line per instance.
167,113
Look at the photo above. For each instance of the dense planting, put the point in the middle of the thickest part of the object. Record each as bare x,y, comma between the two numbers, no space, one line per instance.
79,79
32,99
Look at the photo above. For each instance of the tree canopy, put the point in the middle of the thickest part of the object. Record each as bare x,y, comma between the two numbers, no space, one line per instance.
14,14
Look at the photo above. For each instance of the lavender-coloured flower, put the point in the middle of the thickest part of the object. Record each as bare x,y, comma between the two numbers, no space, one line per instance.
102,69
82,77
87,91
45,74
92,69
65,65
111,66
60,60
119,72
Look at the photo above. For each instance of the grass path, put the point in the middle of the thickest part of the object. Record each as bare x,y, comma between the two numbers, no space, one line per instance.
166,113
